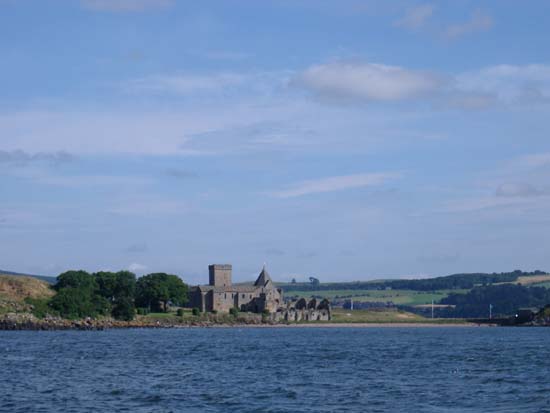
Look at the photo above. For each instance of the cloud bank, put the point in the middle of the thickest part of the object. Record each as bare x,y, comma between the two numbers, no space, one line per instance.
479,89
366,81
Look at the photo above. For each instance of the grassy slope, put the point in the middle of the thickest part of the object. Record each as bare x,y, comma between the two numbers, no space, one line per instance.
534,280
17,288
384,316
14,289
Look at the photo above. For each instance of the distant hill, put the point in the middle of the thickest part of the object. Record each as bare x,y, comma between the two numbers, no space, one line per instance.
49,280
449,282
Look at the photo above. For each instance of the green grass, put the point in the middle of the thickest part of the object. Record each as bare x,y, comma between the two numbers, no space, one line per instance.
403,297
384,316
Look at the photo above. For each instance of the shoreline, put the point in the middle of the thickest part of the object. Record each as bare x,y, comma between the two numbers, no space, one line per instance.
360,325
83,326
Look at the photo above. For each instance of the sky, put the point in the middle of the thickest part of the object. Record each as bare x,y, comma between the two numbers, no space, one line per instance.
340,139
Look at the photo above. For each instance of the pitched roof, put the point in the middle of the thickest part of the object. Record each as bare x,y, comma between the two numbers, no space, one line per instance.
263,278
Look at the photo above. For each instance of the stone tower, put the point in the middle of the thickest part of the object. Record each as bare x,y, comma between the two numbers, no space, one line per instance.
220,275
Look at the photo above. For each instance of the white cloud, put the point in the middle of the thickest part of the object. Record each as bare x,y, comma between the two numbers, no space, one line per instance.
334,183
244,124
126,5
478,89
137,268
367,81
479,21
416,17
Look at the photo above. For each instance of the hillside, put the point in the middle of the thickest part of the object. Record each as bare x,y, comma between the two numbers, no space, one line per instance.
16,288
464,281
415,294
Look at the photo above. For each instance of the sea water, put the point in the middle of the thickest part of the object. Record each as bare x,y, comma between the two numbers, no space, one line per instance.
277,370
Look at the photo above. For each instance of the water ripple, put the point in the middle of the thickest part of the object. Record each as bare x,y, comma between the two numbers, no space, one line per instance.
276,370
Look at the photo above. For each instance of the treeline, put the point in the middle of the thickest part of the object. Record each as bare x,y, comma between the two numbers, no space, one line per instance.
505,299
449,282
117,294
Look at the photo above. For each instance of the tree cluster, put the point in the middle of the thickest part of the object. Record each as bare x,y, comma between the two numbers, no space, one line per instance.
81,294
505,299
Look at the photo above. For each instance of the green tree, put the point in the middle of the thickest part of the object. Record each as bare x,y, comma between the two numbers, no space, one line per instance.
76,279
124,309
77,296
119,289
155,291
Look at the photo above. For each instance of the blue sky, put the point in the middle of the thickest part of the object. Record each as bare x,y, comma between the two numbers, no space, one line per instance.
346,140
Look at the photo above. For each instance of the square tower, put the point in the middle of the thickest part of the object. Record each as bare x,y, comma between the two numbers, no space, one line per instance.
220,275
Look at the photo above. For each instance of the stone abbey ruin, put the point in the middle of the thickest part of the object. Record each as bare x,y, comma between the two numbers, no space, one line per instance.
220,295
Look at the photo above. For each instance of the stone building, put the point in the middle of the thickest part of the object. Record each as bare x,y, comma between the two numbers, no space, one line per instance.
303,310
221,295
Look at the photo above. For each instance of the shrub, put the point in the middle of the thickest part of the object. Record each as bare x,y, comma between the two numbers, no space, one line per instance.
180,312
142,311
40,307
214,311
234,311
196,311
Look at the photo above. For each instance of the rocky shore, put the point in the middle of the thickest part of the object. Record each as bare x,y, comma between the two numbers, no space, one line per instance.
25,321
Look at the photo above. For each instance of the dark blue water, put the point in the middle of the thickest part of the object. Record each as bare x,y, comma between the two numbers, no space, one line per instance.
277,370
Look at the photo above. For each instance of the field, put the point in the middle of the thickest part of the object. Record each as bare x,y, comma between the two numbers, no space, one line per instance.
538,280
402,297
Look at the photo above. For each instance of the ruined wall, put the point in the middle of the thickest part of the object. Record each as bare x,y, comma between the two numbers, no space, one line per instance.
302,310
